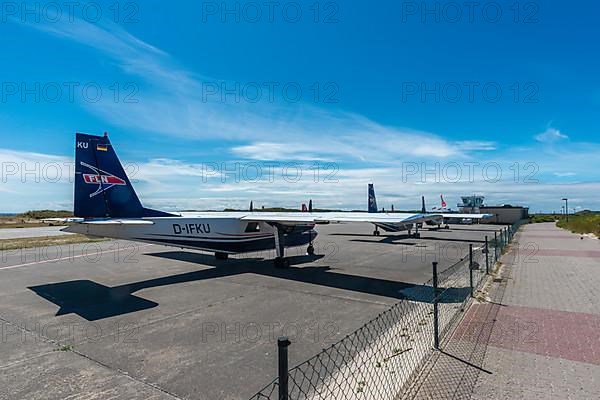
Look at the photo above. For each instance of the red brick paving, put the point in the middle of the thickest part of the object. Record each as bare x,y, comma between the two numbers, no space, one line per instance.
561,253
538,335
560,334
561,237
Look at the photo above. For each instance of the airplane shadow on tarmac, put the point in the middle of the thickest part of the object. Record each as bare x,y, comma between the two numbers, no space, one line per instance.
94,301
393,239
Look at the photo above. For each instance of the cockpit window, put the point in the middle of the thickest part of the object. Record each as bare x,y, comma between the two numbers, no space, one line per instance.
253,227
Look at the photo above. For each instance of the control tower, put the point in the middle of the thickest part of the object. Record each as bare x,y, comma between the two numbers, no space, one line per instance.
471,204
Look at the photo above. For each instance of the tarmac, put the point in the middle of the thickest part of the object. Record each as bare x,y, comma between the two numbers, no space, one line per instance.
18,233
118,319
537,335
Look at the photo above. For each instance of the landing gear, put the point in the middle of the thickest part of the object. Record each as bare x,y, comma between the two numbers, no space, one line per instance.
417,234
376,231
221,256
310,250
280,261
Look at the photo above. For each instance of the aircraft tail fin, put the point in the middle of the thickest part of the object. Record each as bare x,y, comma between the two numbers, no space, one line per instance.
372,199
310,205
102,188
423,209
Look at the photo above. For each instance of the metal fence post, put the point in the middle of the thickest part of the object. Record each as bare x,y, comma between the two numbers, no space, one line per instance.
471,267
487,256
495,246
436,328
282,345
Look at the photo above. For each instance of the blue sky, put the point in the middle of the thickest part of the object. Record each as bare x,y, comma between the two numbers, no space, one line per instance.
373,93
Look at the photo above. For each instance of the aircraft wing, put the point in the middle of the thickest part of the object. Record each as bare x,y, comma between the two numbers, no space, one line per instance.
308,218
114,221
62,220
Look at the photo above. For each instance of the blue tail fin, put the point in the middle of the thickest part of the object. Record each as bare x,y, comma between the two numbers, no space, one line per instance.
102,189
372,199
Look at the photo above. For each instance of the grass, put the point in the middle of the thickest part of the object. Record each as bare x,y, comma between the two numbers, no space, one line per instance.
31,219
41,214
15,224
582,223
543,218
44,241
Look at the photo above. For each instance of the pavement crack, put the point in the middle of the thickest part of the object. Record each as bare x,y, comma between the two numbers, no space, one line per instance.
126,374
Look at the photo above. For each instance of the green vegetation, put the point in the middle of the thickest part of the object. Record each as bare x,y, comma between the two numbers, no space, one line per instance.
41,214
32,219
44,241
543,218
585,222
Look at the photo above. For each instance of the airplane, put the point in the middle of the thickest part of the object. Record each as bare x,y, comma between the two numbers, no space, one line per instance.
106,205
396,227
309,209
464,218
438,220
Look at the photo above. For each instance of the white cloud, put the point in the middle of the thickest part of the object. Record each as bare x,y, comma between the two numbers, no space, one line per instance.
175,185
551,135
564,174
173,104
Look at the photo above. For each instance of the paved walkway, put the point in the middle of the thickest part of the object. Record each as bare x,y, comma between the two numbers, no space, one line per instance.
537,336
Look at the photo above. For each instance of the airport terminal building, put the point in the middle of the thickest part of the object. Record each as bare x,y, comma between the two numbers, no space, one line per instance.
506,214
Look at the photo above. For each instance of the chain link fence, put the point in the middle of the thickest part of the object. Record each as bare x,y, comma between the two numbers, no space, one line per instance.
382,358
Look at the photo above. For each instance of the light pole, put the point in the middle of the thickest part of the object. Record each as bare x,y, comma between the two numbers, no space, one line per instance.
566,208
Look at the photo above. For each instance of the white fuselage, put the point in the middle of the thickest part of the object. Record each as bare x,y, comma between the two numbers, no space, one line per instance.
218,232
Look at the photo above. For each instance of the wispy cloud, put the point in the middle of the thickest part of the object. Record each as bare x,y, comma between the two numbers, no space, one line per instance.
564,174
172,104
550,135
30,181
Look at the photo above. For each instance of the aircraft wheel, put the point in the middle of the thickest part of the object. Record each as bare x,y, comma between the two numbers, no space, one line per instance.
310,250
221,256
281,262
417,236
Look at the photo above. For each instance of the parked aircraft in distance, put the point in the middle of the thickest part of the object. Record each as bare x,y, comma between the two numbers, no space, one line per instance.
106,205
439,219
